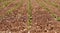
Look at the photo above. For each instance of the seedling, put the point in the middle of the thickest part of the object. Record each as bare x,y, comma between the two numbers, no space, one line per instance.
15,7
43,5
58,18
54,15
51,3
47,9
5,4
29,10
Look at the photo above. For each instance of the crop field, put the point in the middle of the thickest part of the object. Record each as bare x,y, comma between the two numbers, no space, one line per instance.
29,16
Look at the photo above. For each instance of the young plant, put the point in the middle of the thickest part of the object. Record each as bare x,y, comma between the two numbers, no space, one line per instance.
17,5
58,18
47,9
43,5
51,3
29,10
5,4
53,15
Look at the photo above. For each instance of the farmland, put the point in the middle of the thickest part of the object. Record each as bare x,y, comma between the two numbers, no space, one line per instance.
29,16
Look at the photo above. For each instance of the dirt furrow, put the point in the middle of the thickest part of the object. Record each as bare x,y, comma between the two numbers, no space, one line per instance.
54,23
17,20
56,1
52,8
5,4
12,4
55,13
29,16
38,15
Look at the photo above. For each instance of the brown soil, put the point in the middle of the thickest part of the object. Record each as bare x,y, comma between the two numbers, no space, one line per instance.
17,21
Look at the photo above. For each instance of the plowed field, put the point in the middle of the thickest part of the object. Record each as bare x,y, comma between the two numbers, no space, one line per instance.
29,16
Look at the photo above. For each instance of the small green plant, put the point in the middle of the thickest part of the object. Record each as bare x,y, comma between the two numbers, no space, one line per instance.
29,10
53,15
58,18
15,7
30,20
51,3
43,5
5,4
47,9
10,11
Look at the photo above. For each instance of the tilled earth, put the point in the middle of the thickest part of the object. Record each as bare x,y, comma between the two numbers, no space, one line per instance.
18,20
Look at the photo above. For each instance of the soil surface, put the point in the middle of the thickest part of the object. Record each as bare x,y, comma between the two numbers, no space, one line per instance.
29,16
